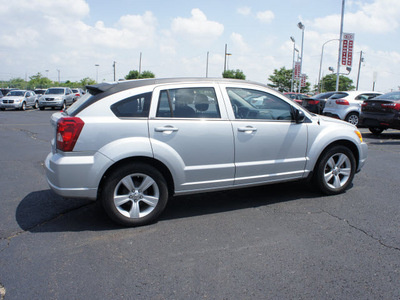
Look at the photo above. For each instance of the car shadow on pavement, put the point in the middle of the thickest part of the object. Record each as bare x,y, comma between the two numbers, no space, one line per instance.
44,211
385,138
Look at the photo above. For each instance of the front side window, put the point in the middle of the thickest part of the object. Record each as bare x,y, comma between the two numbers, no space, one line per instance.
254,104
135,106
188,103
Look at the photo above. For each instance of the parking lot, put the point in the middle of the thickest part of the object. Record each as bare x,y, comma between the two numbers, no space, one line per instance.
272,242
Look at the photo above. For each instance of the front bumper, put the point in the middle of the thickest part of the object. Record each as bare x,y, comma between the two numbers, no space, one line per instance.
57,103
11,105
362,156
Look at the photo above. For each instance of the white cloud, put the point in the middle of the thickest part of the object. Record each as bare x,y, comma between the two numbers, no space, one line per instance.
380,16
198,28
265,16
239,43
245,11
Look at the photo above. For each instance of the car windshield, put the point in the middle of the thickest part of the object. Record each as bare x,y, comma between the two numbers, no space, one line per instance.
389,96
16,93
55,92
338,95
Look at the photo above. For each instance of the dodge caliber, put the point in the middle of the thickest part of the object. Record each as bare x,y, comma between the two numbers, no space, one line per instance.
134,144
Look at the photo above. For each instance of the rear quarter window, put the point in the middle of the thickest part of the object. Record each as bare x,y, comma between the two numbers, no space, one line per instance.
135,106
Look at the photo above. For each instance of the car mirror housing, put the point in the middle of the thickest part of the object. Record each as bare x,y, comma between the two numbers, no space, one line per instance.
299,116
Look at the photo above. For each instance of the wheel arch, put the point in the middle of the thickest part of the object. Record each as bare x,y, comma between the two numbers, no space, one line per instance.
162,168
350,145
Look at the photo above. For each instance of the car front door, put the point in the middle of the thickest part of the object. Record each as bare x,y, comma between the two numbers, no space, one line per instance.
269,144
191,134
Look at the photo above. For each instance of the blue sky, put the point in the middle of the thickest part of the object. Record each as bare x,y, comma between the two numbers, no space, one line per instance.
174,37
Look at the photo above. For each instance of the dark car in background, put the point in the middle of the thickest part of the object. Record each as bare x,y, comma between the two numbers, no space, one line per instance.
297,97
381,113
316,103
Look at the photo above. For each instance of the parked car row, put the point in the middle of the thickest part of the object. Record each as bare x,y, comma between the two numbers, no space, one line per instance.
56,98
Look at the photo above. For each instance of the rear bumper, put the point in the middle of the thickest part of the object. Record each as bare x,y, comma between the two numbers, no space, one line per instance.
383,121
75,176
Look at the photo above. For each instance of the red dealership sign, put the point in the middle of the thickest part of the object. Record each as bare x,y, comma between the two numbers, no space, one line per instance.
347,49
297,69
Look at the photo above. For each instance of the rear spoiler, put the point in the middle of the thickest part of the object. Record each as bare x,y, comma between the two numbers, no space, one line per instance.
100,88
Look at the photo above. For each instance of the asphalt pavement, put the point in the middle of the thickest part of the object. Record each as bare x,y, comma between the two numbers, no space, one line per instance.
283,241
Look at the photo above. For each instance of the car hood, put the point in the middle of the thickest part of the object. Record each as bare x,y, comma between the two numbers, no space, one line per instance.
325,119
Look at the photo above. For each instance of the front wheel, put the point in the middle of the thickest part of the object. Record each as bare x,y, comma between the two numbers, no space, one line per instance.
36,105
352,118
376,130
23,106
134,194
335,170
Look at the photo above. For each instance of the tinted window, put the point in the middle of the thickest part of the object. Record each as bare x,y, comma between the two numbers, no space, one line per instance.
15,93
390,96
188,103
338,95
271,107
135,106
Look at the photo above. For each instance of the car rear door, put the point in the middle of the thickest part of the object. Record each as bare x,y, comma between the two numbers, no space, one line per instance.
191,134
269,145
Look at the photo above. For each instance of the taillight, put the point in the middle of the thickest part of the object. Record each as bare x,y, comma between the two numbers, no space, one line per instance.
342,102
364,104
313,102
395,106
68,131
77,95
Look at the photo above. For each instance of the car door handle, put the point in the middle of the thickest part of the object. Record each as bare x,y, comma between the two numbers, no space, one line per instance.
166,129
247,129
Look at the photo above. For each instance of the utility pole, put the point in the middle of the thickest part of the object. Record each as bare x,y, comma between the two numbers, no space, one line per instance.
207,64
340,48
226,49
114,69
140,64
58,75
359,68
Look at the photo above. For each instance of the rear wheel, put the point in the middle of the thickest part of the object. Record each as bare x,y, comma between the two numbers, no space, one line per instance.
352,118
376,130
335,170
134,194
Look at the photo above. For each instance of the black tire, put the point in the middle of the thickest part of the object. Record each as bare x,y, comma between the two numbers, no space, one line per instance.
137,207
353,118
3,109
23,106
36,105
335,170
63,106
376,130
41,108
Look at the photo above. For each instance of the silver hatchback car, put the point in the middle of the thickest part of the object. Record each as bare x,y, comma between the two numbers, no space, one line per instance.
133,144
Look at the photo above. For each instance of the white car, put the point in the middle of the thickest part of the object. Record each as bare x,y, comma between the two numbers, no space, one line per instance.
19,99
347,105
133,144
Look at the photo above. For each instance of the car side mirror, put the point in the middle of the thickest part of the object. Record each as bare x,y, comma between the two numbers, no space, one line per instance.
299,116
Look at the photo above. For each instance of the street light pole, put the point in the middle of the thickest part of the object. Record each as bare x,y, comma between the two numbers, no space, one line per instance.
359,68
294,51
302,27
320,64
97,72
340,47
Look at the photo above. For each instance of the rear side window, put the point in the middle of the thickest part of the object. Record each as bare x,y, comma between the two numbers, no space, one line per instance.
188,103
133,107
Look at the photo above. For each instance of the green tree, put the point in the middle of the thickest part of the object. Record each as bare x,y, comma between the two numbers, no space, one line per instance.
147,74
18,83
134,74
329,83
84,82
281,79
237,74
38,81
